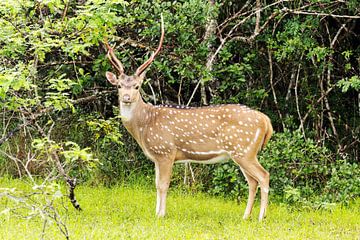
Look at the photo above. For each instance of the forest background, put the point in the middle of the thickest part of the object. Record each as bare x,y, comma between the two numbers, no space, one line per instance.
296,61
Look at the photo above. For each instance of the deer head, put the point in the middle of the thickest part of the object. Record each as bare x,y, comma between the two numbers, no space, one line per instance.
129,86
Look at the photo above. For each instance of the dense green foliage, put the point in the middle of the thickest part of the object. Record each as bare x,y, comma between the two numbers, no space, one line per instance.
302,172
301,67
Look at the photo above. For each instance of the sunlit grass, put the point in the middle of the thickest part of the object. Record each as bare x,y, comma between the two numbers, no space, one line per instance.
129,213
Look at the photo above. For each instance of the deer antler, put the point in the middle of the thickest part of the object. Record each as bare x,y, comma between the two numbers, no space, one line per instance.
143,67
113,59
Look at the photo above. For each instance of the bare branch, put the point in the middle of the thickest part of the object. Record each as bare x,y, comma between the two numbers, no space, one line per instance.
256,33
317,102
271,77
49,64
247,14
152,91
258,16
65,10
297,99
332,44
319,14
224,24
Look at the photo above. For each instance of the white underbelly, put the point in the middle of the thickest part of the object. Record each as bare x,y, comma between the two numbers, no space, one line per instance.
218,159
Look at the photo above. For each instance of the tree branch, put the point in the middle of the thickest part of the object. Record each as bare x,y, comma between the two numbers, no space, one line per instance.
271,77
258,16
319,14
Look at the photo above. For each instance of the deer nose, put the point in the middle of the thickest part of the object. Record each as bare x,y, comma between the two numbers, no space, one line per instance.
126,98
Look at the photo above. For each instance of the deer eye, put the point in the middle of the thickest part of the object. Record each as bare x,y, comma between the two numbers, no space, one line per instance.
119,86
137,87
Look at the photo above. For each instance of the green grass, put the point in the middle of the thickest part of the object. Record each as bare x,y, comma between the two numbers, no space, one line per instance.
129,213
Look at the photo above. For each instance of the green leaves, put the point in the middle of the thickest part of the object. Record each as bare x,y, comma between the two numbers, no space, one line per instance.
61,84
295,39
348,83
57,100
227,181
15,79
105,131
319,53
73,155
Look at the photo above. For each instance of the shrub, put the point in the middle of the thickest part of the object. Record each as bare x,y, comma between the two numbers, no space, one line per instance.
344,184
294,164
228,181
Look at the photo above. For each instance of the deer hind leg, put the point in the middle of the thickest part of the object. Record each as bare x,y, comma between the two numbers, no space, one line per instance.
252,193
253,168
163,174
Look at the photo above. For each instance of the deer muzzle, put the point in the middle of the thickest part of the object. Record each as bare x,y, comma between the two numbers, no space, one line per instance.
126,98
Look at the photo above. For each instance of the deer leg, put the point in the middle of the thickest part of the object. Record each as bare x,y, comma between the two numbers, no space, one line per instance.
163,174
255,170
252,193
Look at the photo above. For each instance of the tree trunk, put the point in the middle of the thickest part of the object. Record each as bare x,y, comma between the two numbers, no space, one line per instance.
210,30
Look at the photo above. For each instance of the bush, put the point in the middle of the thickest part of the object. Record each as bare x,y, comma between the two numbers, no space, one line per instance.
295,162
120,157
344,184
228,181
300,171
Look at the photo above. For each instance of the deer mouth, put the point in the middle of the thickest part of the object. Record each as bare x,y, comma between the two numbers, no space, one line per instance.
127,103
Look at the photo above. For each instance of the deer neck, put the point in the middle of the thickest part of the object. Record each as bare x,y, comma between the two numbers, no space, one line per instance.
128,112
133,116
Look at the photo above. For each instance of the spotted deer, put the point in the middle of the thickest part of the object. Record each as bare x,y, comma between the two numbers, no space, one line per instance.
175,134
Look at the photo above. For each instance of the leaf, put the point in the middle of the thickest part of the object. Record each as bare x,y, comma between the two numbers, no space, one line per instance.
57,194
6,211
345,84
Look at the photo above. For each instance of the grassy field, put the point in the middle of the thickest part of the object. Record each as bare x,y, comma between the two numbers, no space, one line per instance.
129,213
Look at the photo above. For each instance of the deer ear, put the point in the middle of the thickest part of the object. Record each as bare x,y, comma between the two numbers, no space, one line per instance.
112,78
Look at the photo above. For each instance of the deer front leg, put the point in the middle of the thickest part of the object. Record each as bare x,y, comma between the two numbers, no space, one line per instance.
163,171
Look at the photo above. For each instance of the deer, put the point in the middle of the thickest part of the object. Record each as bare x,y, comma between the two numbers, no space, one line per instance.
179,134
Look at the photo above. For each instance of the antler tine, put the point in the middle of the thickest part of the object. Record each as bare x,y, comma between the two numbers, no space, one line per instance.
113,59
142,68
